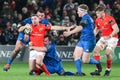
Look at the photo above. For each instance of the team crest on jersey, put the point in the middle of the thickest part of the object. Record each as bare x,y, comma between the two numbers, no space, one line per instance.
105,23
40,29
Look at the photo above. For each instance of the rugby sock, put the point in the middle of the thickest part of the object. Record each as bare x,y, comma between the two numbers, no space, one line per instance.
93,61
97,57
45,70
37,69
12,57
109,64
78,64
10,61
69,73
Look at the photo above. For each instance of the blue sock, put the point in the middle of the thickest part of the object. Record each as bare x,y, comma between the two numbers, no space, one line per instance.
78,64
68,73
93,61
10,61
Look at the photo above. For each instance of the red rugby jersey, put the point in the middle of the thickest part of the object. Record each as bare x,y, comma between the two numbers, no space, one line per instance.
38,33
105,25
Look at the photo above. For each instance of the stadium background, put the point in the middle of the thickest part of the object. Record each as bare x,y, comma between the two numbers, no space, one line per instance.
58,12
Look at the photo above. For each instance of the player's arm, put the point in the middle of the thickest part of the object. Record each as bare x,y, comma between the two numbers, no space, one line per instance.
96,30
115,30
40,49
77,28
60,28
26,29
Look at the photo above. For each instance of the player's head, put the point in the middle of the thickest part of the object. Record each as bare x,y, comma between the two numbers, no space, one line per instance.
35,19
100,11
41,14
82,10
47,39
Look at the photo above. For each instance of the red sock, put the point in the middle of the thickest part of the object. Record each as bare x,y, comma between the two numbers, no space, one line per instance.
45,70
97,57
38,70
109,64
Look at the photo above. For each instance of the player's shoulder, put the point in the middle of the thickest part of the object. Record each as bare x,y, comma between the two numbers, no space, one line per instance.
109,16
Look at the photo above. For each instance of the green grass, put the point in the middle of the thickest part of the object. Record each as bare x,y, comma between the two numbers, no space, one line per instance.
19,71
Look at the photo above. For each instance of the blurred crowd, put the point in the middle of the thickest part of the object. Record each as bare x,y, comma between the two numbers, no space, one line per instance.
58,12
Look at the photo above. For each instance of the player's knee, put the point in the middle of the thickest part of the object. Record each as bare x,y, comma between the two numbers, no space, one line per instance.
85,60
96,52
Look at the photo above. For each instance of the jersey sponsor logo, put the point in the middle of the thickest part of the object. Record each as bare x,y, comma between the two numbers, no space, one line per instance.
41,29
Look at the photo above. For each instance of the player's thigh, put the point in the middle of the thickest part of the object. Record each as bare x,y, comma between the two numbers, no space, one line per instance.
59,68
88,49
86,57
101,44
40,56
32,55
112,43
19,45
51,68
77,52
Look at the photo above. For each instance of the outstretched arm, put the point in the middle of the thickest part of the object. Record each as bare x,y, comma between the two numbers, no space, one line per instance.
75,30
40,49
60,28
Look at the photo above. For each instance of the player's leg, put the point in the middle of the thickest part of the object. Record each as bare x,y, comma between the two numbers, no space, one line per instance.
112,43
99,46
61,72
86,58
19,45
40,64
32,62
77,59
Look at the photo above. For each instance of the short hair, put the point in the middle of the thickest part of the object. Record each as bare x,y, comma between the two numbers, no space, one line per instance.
100,8
83,6
49,37
34,15
41,11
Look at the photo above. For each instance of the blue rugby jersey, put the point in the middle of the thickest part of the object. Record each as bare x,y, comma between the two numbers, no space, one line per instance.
87,33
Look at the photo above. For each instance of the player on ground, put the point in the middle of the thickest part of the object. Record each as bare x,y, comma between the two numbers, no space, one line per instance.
38,31
51,60
109,38
85,46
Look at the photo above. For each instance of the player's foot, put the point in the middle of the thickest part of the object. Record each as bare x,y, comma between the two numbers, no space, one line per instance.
48,74
39,73
32,73
95,73
82,74
6,67
107,73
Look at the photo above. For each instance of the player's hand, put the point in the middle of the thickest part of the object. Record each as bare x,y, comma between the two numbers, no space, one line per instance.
30,44
26,37
28,26
31,48
67,33
106,37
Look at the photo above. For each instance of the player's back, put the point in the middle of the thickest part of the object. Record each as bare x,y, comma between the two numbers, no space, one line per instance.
51,56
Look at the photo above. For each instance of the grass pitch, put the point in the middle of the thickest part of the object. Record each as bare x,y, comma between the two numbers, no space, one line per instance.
19,71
